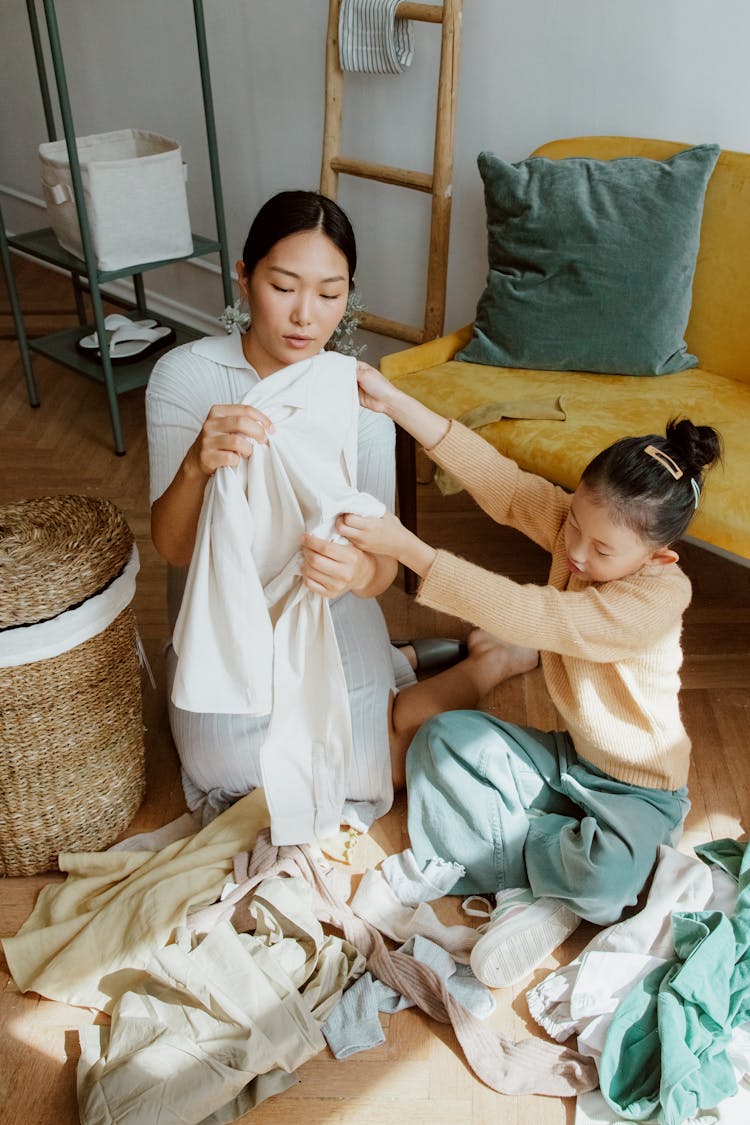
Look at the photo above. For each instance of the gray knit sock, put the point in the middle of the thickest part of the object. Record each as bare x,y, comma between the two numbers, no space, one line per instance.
353,1025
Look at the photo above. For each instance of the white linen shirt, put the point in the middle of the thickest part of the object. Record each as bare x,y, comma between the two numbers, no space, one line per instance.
250,638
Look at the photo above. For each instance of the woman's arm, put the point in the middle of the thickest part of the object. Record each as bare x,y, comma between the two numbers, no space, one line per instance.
228,434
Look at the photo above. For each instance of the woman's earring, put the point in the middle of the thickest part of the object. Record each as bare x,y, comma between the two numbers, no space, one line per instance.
342,339
235,316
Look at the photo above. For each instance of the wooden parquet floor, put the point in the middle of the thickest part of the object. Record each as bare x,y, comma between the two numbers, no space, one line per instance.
418,1074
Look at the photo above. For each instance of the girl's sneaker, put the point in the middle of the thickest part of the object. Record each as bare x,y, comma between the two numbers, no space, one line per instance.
521,932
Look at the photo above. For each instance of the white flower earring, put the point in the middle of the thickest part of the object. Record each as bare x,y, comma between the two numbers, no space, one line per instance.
235,316
342,339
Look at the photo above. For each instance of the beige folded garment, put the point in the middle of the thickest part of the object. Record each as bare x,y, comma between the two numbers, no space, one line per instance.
88,939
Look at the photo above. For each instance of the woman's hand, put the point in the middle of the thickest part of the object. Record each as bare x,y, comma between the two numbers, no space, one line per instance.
386,535
333,569
229,434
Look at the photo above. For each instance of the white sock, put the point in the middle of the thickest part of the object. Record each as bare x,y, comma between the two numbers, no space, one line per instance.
377,904
412,884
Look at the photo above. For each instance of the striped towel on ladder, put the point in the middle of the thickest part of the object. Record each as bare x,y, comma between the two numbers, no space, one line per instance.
371,39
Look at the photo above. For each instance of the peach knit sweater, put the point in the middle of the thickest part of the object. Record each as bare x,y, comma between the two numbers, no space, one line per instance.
610,651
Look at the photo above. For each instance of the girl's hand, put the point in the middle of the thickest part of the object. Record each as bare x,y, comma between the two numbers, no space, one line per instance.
375,392
378,394
386,535
380,535
333,569
228,435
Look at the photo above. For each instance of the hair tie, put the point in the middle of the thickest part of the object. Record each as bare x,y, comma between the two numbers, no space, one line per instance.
696,491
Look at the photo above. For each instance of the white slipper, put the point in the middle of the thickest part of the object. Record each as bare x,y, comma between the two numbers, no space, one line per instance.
90,344
133,340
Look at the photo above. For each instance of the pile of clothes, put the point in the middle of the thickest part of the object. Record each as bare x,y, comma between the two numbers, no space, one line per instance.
225,962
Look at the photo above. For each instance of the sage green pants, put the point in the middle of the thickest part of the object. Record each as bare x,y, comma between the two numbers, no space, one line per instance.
518,807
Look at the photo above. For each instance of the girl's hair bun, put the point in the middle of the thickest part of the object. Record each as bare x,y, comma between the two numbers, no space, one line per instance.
695,447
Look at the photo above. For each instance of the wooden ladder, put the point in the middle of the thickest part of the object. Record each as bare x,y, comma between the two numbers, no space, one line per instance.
437,183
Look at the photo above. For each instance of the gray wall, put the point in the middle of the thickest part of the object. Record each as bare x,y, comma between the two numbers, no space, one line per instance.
531,71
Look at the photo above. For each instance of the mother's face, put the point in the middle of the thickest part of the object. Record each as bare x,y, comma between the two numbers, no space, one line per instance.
297,295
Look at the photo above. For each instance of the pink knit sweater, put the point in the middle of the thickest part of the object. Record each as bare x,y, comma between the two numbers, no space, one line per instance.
610,651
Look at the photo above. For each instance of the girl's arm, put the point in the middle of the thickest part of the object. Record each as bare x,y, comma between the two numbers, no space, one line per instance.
228,434
601,624
506,493
378,394
387,536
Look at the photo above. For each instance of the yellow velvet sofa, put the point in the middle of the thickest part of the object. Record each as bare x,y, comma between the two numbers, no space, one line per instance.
601,408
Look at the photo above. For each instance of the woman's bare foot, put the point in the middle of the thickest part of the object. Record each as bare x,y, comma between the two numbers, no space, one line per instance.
491,661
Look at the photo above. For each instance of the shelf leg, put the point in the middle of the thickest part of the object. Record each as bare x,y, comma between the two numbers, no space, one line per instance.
89,256
41,70
109,379
213,150
81,313
15,308
140,294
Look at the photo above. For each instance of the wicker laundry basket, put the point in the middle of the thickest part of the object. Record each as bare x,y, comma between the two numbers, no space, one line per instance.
71,730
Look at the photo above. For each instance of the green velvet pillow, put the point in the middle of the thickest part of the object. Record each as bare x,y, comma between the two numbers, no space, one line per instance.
591,262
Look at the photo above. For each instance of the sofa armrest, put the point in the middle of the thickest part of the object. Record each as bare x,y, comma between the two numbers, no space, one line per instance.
425,355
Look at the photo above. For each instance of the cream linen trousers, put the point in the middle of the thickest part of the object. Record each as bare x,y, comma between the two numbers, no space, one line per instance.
250,638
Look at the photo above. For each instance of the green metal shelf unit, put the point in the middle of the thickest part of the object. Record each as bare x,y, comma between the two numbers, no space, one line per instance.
43,245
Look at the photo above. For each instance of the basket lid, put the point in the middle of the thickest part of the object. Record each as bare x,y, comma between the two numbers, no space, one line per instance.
55,552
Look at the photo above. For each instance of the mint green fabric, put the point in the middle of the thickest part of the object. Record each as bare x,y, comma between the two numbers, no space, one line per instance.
725,854
591,262
665,1055
517,807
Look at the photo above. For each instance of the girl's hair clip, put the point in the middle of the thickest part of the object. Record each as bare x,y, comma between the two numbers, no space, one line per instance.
664,459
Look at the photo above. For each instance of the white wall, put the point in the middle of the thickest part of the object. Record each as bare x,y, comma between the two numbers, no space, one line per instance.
531,71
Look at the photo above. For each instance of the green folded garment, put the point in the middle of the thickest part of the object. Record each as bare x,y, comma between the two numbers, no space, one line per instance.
666,1052
491,412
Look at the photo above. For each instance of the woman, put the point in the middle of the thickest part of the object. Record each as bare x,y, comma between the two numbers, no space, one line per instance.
296,273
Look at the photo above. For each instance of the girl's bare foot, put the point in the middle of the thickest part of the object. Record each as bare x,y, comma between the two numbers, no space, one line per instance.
491,661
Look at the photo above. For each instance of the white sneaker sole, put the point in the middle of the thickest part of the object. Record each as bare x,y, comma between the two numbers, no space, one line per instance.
509,952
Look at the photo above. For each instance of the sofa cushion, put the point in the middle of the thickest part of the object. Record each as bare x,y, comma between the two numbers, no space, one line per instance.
591,262
599,409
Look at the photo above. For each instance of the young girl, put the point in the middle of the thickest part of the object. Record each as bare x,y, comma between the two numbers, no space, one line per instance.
296,272
565,824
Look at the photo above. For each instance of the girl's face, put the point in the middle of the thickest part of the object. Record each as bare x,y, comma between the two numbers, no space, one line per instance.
297,295
601,549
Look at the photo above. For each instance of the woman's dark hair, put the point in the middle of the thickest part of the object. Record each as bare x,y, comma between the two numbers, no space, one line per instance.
654,483
291,212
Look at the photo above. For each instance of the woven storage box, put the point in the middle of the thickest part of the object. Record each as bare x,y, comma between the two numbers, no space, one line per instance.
134,193
71,730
